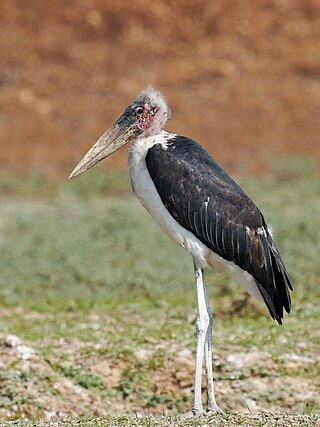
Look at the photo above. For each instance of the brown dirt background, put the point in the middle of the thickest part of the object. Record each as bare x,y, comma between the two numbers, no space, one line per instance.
241,77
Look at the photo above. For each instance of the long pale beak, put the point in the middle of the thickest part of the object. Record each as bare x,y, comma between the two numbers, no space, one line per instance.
108,143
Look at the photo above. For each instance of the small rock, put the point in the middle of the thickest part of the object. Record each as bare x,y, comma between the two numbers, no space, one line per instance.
143,354
12,341
22,351
248,360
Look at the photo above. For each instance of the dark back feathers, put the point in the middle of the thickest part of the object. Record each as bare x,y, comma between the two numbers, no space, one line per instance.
205,200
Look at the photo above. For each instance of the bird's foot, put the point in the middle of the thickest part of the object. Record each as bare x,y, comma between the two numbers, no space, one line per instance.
195,413
210,410
214,409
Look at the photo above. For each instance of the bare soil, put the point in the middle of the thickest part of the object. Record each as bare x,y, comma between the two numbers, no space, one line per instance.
47,394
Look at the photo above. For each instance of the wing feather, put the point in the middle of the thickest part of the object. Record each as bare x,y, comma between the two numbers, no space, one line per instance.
206,201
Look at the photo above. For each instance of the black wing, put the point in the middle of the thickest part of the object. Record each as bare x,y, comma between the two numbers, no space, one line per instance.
202,198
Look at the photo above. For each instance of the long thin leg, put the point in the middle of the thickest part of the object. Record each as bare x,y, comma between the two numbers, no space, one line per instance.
211,400
202,324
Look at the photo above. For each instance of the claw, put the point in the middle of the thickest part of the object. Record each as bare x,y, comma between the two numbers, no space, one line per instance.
212,410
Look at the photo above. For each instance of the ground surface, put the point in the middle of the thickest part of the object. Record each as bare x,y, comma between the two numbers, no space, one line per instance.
242,78
262,420
98,311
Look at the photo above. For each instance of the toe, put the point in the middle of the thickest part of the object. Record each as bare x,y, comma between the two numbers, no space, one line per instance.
194,413
214,410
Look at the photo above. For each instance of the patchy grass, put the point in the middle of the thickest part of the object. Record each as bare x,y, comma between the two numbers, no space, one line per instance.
106,301
261,420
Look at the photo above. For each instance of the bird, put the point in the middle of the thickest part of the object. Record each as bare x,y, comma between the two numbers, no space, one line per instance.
201,208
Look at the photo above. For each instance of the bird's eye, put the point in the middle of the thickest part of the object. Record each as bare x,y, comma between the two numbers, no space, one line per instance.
138,111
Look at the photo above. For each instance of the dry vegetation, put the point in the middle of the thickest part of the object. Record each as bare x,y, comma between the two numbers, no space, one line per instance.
243,78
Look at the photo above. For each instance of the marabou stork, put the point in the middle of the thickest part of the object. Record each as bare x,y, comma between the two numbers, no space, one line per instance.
201,208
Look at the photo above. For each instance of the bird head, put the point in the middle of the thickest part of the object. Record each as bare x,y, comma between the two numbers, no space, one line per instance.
145,116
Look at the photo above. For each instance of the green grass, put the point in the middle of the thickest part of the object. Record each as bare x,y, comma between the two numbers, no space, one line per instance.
96,183
68,253
91,268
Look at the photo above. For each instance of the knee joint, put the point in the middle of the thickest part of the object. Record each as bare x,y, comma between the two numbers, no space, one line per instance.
202,324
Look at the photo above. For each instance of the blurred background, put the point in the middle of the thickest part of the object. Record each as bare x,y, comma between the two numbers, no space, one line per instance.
242,78
97,305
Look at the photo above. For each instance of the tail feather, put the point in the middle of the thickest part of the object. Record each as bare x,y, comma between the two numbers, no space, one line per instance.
276,297
271,275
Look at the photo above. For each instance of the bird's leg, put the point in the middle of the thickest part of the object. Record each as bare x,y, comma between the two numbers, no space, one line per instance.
202,324
211,400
